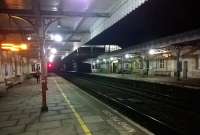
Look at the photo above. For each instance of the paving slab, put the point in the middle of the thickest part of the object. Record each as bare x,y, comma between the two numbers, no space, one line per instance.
71,112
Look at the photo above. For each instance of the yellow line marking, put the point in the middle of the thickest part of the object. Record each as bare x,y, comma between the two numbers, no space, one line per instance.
78,117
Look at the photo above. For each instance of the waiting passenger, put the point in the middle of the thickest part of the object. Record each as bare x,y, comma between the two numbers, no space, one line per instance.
37,75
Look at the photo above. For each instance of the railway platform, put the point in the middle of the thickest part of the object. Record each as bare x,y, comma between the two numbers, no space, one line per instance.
71,111
190,83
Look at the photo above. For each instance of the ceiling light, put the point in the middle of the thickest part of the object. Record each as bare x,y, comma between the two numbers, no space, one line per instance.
23,46
111,58
58,38
127,56
59,24
152,51
53,51
29,38
51,58
156,51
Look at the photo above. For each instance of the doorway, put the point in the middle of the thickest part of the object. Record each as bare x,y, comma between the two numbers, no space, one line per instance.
185,70
114,68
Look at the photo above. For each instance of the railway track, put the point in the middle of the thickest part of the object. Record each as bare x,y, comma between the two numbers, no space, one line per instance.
161,113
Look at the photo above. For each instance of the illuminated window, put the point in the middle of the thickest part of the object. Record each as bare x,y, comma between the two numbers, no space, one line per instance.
111,48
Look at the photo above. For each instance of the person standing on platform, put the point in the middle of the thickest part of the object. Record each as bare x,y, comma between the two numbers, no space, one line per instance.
38,75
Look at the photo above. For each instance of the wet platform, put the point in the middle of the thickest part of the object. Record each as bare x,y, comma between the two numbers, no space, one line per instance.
189,83
71,112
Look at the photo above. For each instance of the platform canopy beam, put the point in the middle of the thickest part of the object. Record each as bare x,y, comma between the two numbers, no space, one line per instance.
43,13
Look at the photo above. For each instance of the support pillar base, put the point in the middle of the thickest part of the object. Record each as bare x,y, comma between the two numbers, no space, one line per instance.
44,109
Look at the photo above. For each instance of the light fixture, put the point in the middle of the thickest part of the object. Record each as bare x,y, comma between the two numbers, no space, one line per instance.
115,61
152,51
53,51
98,61
104,60
58,24
51,58
29,38
14,47
127,56
111,58
157,51
58,38
23,46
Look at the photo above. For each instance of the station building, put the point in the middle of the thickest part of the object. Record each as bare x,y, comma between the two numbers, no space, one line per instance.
166,57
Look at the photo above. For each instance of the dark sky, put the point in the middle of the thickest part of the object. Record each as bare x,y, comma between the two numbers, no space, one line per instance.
153,20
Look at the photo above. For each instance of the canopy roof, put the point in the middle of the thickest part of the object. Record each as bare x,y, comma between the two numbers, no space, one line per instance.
154,19
74,18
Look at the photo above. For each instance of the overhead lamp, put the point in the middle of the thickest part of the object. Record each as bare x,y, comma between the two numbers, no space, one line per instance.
115,61
156,51
53,51
111,58
14,47
104,60
58,38
7,44
152,51
23,46
58,24
127,56
51,58
29,38
98,61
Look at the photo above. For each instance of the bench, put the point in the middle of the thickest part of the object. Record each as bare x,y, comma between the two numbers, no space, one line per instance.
162,73
10,82
2,85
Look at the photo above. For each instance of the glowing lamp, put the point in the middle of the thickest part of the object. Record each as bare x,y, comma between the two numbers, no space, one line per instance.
53,51
152,51
58,38
23,46
14,47
51,58
29,38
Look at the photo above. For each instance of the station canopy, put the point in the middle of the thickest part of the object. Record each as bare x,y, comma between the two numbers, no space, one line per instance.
71,19
153,20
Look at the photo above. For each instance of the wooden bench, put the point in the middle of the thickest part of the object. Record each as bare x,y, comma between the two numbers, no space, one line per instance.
162,73
10,82
2,85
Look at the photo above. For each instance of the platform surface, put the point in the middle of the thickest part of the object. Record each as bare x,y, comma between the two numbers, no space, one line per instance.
189,83
71,112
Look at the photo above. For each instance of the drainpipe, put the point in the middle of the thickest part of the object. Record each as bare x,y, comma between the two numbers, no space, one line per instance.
178,68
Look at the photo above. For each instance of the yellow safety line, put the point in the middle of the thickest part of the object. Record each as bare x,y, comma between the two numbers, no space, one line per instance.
78,117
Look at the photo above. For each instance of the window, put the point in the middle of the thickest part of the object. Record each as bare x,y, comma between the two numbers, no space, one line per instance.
33,67
111,48
162,63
